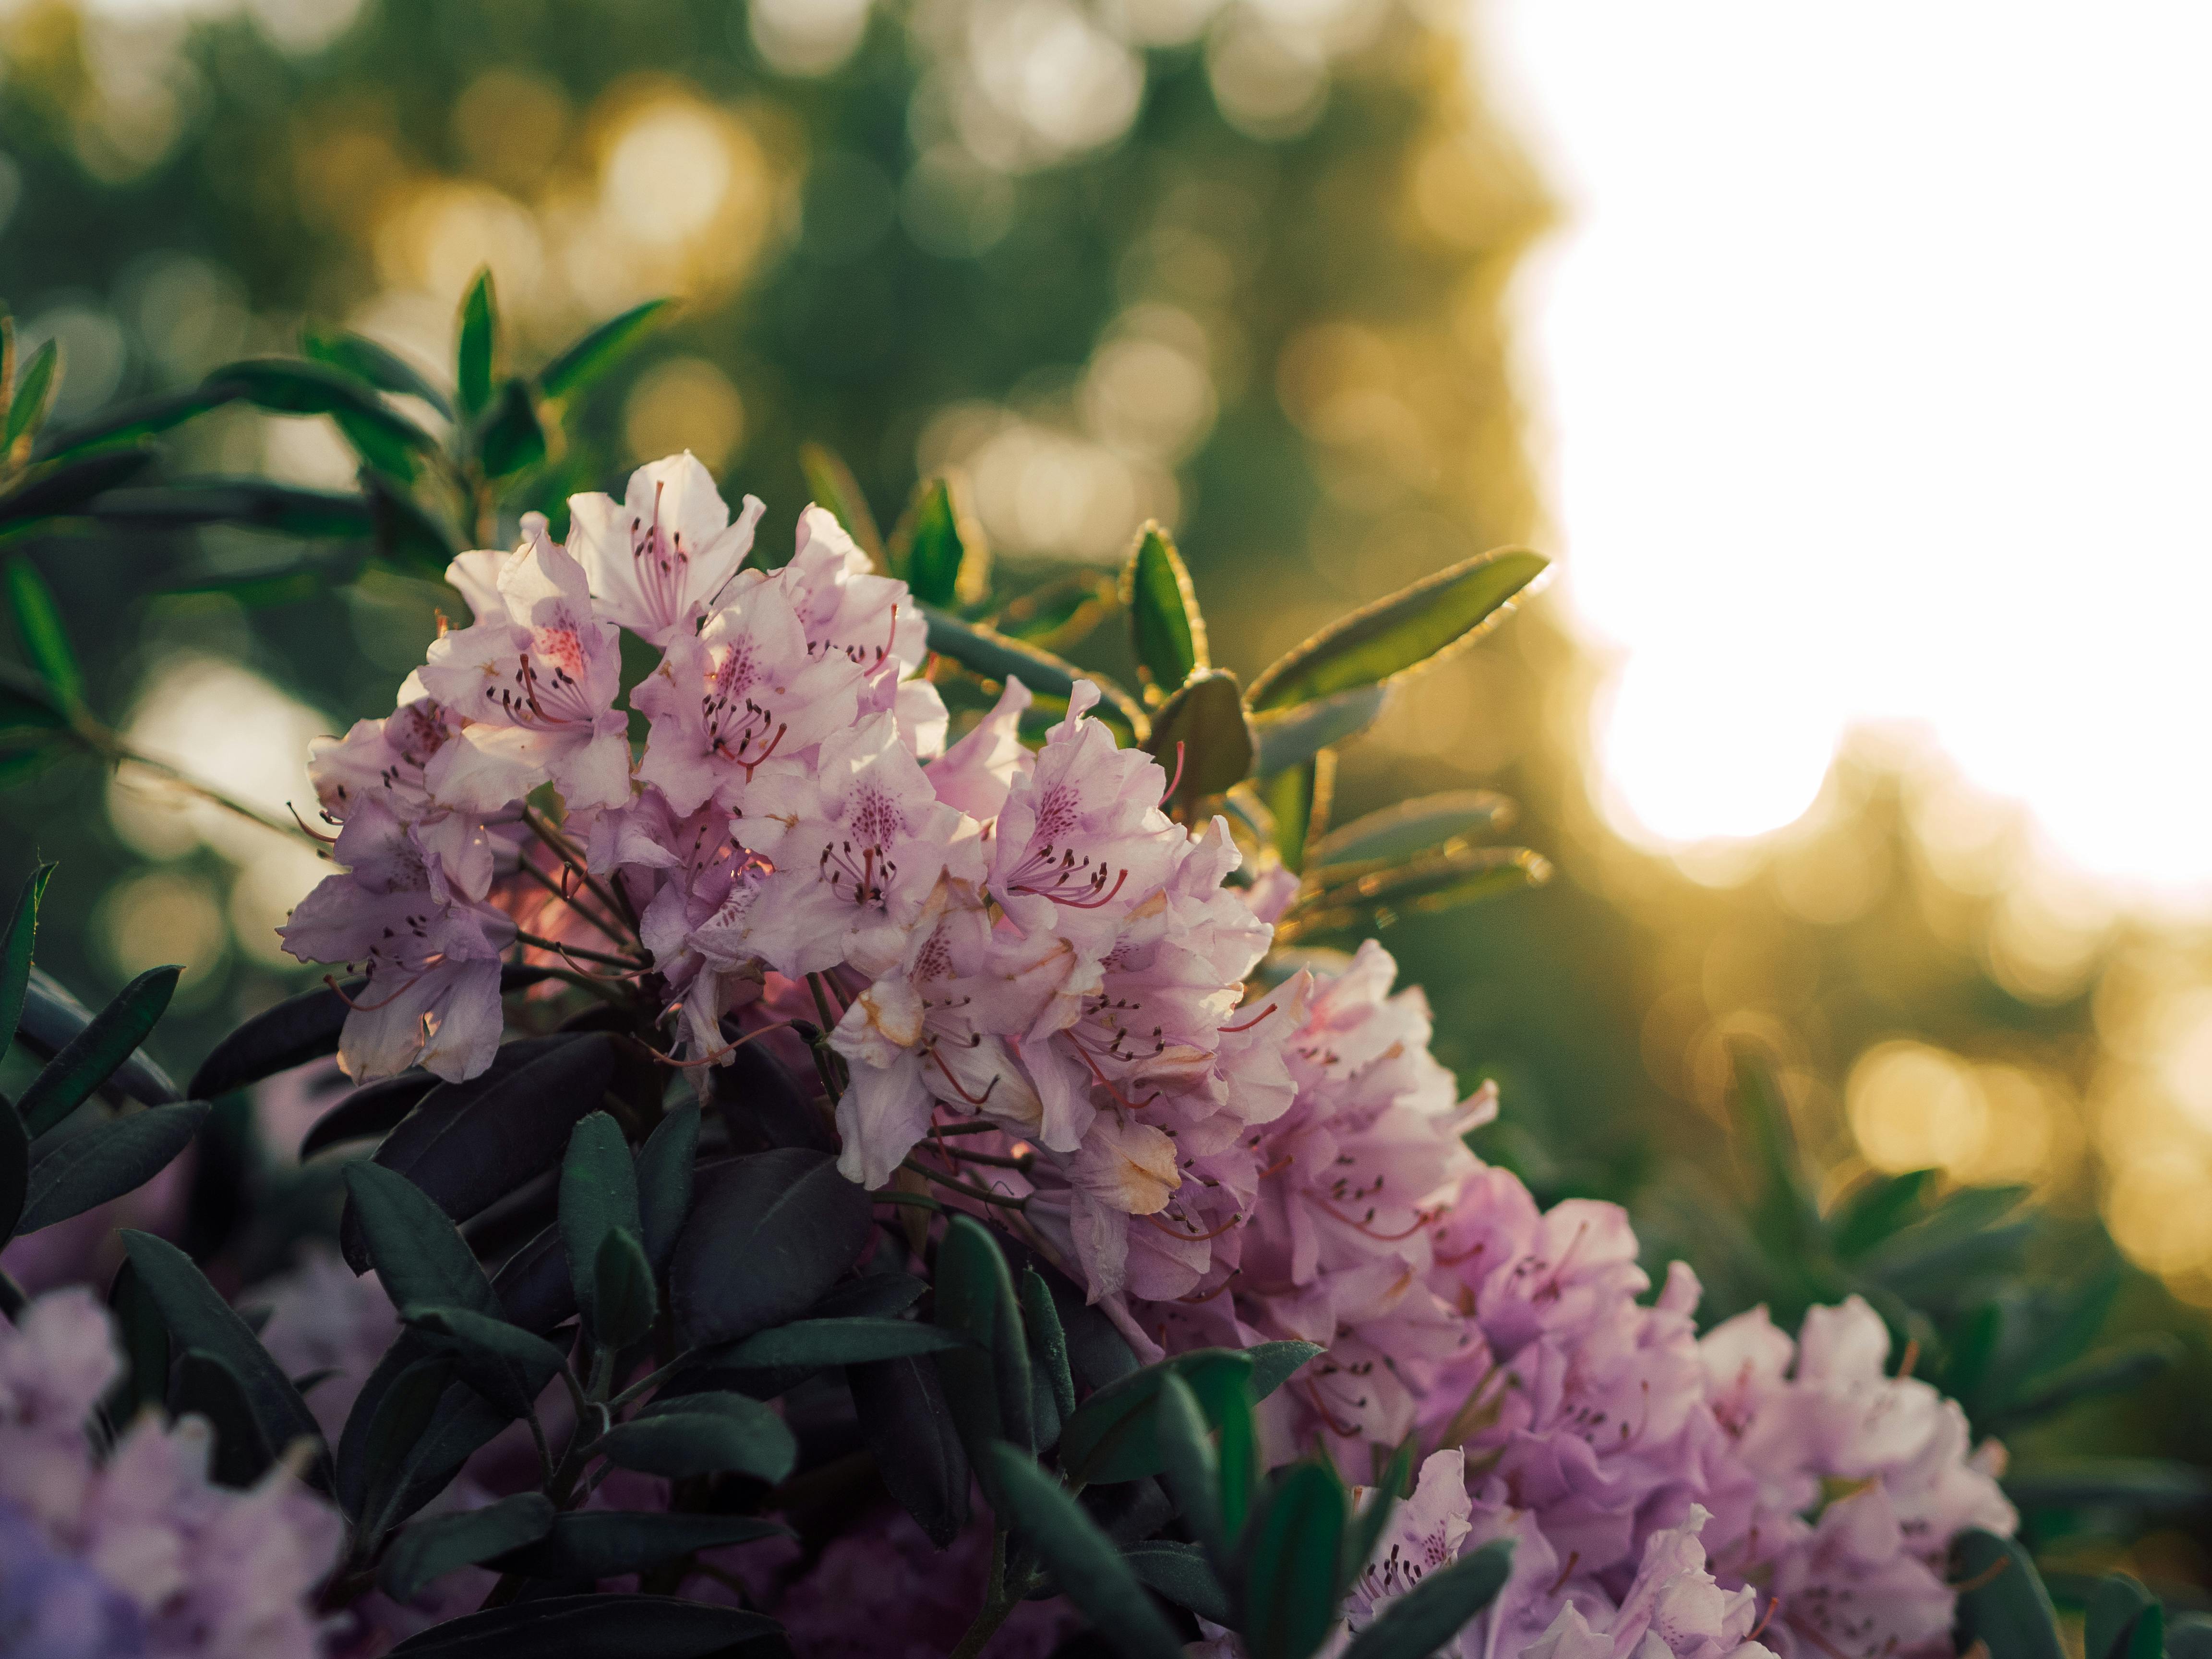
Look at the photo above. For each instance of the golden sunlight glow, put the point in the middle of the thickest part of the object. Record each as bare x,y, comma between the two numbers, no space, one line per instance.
1873,356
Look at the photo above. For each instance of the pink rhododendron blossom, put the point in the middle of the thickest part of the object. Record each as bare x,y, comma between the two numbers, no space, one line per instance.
536,680
431,954
142,1548
658,559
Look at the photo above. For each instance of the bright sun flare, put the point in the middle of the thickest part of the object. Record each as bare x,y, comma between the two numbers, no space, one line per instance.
1876,358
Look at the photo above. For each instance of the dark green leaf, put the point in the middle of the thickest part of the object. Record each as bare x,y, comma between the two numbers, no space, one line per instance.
143,1340
284,385
208,1387
2123,1621
794,1222
15,1169
393,1416
247,503
1394,636
1290,1586
365,360
1166,632
34,393
98,1051
1298,800
1193,1472
1397,834
296,1030
505,1363
871,1296
1048,1341
816,1342
599,1194
1089,1571
1207,718
105,1162
2116,1371
429,1549
987,1378
938,549
2002,1601
599,351
1785,1216
1427,1616
624,1300
53,490
705,1434
909,1430
15,949
407,537
39,625
368,1111
2147,1483
664,1181
513,440
2190,1636
133,424
198,1318
470,1144
1111,1436
1875,1209
420,1258
600,1627
834,487
598,1544
1180,1572
984,650
53,1020
477,346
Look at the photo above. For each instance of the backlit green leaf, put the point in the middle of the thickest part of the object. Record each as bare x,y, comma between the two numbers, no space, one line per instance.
245,503
834,487
1425,824
383,368
1291,738
34,393
1206,718
937,548
477,344
984,650
1441,882
513,440
600,349
39,625
1166,631
1396,635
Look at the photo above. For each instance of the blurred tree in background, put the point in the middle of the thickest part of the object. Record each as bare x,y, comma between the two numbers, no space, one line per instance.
1239,268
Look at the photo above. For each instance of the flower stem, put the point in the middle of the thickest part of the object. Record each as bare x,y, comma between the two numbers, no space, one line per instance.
629,964
613,898
979,1194
997,1605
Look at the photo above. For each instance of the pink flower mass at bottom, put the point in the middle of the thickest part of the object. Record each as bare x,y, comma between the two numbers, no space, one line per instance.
1222,1146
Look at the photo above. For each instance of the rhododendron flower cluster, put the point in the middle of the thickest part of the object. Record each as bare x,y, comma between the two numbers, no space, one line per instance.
138,1554
1039,994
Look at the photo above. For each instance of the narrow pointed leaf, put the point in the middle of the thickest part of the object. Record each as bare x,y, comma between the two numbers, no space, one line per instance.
701,1434
131,424
624,1300
835,487
1429,1614
1366,1528
477,345
1411,829
1290,1585
986,1377
106,1162
600,349
2124,1367
16,948
367,1112
62,487
143,1340
54,1021
910,1431
296,1030
1396,635
382,368
98,1051
429,1549
1443,881
505,1363
198,1318
1048,1340
35,392
39,625
1166,632
664,1182
1089,1571
290,386
206,1386
983,650
513,442
1180,1572
937,548
419,1255
599,1194
1193,1473
1298,800
15,1169
243,503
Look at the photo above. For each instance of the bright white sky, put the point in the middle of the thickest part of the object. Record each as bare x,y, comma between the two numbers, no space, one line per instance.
1877,362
